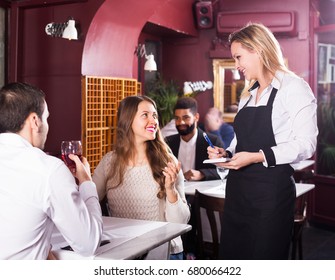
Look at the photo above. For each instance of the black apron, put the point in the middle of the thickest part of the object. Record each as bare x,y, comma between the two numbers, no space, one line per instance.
259,207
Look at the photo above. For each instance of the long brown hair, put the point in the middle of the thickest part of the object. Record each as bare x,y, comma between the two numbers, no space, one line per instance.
157,151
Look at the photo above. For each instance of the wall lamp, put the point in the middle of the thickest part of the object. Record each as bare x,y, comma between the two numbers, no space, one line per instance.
66,30
150,64
190,87
236,74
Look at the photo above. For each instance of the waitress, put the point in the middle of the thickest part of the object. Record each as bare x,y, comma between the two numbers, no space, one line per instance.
275,128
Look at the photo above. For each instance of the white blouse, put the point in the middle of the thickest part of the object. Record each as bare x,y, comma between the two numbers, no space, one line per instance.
293,118
137,198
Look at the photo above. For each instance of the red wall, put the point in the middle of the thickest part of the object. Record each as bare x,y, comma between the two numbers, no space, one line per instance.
110,31
53,64
116,27
296,49
191,59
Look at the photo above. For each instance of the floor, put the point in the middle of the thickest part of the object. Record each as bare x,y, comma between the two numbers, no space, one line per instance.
318,243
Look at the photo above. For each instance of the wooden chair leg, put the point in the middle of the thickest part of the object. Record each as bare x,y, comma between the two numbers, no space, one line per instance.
293,249
300,247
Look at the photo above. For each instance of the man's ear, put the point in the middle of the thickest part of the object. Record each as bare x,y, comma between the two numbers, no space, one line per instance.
197,116
33,121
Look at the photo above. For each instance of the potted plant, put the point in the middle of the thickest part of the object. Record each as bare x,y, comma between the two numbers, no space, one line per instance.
326,145
165,94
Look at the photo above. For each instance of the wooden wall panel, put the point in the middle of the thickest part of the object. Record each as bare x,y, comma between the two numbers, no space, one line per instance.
100,100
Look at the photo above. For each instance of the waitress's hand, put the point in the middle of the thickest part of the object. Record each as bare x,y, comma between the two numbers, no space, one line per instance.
216,152
243,159
238,161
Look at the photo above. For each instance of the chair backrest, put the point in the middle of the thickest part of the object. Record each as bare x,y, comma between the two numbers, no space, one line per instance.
104,207
213,207
300,206
303,176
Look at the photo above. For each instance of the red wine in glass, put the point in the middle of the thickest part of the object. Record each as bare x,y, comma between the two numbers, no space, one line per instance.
71,147
69,162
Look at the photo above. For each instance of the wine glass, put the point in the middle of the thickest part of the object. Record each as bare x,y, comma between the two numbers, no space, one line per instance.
71,147
222,173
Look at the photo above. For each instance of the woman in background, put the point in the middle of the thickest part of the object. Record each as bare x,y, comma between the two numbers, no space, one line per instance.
140,177
275,128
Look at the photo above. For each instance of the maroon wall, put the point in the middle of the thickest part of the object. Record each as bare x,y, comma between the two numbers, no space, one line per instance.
53,64
298,60
188,60
116,27
191,59
110,30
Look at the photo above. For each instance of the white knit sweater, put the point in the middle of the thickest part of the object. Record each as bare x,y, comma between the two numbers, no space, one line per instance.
137,198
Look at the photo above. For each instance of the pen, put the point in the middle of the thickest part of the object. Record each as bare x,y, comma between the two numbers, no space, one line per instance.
208,140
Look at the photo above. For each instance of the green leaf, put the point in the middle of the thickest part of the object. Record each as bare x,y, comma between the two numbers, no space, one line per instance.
165,94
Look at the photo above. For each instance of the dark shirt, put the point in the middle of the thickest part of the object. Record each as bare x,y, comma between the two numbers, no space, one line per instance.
209,170
226,133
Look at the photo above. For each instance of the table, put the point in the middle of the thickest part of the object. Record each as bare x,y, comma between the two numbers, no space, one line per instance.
217,188
303,164
128,239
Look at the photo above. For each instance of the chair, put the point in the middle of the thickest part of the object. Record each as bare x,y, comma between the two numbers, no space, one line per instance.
104,207
300,218
213,207
299,223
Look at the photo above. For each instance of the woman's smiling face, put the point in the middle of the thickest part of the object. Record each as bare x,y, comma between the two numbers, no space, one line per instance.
246,61
145,123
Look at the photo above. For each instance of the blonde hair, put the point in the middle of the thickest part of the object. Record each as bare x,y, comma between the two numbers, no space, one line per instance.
257,37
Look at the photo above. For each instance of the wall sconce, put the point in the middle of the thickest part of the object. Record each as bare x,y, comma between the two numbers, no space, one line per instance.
150,64
236,74
66,30
190,87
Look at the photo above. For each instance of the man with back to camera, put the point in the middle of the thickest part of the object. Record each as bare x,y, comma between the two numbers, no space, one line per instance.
189,145
38,191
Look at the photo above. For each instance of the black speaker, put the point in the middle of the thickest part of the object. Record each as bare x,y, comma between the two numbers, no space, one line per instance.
203,11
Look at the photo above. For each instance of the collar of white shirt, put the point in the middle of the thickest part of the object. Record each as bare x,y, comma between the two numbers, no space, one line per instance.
186,153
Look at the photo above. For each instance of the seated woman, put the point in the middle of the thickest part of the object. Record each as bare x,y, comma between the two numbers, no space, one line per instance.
140,177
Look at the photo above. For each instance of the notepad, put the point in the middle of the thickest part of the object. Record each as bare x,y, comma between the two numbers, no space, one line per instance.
216,160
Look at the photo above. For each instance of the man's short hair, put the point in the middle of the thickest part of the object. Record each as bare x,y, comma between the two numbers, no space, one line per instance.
187,103
17,102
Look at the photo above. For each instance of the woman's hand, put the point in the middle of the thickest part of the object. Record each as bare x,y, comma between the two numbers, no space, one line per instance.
171,173
242,159
216,152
